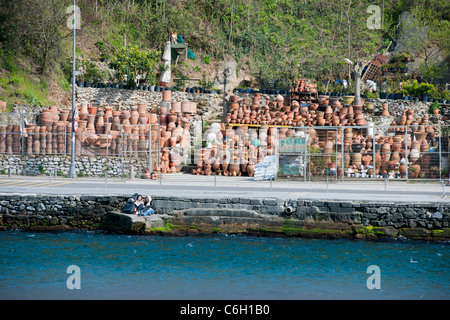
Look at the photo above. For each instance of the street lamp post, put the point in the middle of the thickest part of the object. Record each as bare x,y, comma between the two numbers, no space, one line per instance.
72,150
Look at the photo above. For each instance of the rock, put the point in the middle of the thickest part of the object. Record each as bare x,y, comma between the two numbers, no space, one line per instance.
437,215
41,207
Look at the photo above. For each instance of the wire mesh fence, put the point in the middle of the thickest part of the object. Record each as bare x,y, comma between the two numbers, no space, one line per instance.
109,144
369,152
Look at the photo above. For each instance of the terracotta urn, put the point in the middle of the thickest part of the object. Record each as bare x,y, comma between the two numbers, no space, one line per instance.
92,109
166,95
185,107
46,118
143,118
134,115
385,111
153,118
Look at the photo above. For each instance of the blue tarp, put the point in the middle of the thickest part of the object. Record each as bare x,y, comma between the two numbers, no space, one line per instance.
190,54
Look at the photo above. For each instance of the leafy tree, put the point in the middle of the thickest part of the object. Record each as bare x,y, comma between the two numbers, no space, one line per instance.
134,64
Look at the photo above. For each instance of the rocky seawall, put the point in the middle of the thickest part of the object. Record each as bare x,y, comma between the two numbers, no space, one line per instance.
182,215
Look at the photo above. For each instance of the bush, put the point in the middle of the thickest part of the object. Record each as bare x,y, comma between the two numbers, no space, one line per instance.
415,89
131,63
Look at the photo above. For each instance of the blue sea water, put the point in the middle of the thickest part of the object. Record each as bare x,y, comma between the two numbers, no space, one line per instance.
218,267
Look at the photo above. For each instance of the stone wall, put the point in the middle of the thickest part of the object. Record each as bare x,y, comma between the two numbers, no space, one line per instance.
295,217
209,106
84,166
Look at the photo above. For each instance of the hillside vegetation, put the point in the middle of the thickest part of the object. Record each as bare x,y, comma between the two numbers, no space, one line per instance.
273,40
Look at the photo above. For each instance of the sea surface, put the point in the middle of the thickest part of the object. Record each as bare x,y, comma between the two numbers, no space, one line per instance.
218,267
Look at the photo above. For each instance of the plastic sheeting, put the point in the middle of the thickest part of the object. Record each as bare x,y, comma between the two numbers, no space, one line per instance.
266,169
166,58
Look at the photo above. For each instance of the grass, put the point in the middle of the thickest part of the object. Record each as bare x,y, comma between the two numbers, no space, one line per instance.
16,85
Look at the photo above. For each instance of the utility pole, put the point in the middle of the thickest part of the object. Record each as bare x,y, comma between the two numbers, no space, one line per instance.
72,149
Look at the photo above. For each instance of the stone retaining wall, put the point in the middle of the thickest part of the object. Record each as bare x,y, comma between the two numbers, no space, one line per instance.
84,166
296,217
208,105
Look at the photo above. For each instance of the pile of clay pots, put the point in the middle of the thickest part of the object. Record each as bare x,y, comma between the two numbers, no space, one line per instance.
10,139
305,85
234,151
405,144
328,111
174,133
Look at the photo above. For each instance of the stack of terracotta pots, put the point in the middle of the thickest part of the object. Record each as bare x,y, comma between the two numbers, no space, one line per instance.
305,85
283,113
174,133
234,151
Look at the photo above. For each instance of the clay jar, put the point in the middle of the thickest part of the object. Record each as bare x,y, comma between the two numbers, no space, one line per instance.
176,106
142,108
46,118
385,111
143,118
172,117
83,112
134,115
186,107
153,118
166,95
92,109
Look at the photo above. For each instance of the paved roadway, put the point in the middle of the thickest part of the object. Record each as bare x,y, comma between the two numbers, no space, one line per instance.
187,185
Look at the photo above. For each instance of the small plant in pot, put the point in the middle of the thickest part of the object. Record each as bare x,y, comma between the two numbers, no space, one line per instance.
434,108
371,96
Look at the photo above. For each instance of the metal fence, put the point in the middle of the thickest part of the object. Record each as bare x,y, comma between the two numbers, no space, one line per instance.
419,151
97,136
369,152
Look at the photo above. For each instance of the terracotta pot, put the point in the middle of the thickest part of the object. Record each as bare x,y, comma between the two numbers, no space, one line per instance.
424,146
46,118
134,115
385,111
142,108
176,106
91,121
143,118
185,107
166,95
395,156
172,117
153,118
92,110
366,160
63,115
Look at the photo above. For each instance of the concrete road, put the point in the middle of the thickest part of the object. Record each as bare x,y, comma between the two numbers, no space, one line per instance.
187,185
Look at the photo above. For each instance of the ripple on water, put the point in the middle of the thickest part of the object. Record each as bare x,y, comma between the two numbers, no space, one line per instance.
33,265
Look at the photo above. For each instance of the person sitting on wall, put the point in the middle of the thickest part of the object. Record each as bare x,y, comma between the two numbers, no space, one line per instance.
148,207
138,205
130,205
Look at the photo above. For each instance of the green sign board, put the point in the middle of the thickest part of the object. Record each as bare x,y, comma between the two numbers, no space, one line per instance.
292,145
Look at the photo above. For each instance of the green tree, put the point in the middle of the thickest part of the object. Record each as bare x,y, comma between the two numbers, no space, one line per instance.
133,64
